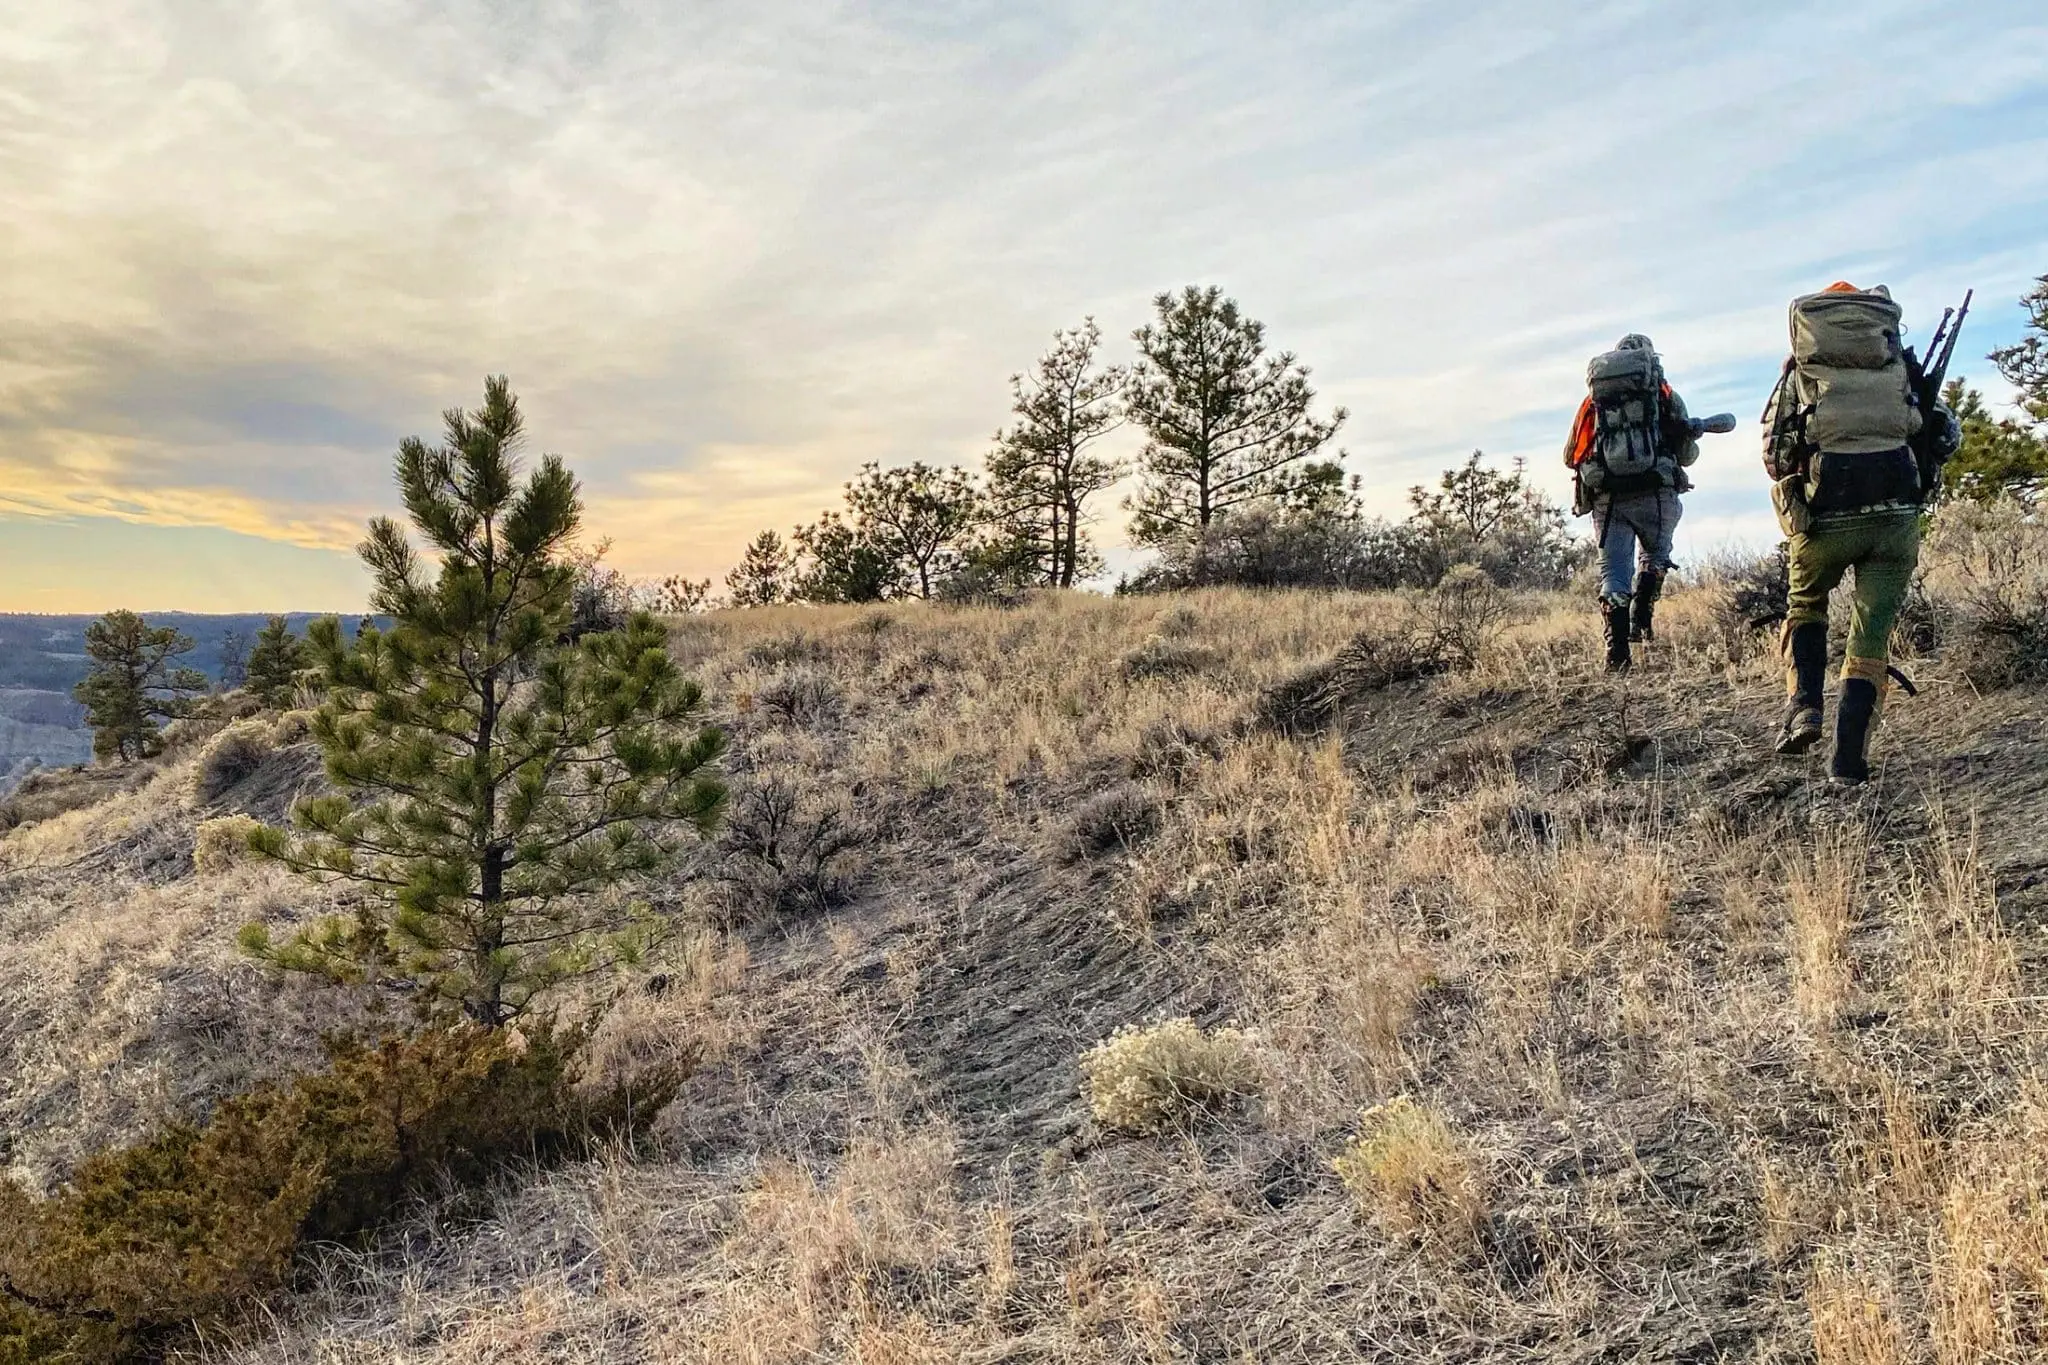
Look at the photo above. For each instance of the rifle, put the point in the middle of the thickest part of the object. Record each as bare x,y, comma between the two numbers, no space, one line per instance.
1926,375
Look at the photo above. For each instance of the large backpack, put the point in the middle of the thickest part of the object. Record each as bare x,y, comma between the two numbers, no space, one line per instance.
1848,373
1845,398
1627,391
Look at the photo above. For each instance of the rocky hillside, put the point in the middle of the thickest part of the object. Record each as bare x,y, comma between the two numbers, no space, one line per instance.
1548,1015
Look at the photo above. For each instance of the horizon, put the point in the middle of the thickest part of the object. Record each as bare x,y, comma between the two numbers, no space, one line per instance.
726,259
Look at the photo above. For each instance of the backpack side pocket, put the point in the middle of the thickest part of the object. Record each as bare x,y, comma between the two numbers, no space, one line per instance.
1788,500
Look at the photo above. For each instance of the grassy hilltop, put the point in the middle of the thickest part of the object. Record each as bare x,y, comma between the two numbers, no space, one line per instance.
1538,1015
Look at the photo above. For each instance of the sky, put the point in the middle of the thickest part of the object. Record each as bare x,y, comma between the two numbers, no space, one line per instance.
728,251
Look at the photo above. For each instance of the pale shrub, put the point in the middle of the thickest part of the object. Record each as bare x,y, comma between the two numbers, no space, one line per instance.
801,696
1465,615
229,757
188,731
1413,1172
1178,621
1143,1079
1120,818
1987,570
1165,657
293,727
222,843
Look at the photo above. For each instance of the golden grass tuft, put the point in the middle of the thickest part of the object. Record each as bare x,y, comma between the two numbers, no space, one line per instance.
1822,891
230,756
222,843
1416,1175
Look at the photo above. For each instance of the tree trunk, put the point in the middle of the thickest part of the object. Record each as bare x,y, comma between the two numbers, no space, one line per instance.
1070,550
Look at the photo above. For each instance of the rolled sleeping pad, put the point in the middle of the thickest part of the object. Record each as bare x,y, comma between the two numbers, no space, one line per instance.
1720,424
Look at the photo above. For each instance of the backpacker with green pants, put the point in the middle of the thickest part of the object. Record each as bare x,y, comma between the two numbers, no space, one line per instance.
1847,490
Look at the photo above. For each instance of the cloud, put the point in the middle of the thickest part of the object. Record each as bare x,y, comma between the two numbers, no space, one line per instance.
728,253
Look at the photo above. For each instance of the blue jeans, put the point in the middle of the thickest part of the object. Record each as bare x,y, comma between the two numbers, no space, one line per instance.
1634,530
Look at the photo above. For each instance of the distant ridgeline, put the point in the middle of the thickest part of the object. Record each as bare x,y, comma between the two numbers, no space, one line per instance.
43,657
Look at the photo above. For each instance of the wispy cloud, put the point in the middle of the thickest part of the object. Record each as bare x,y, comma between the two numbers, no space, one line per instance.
729,252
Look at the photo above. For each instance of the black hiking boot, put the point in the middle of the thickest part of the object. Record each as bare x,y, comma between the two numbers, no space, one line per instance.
1642,624
1854,714
1806,672
1615,612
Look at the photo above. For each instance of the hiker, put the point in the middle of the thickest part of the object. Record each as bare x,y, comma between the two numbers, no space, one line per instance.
1840,437
1630,446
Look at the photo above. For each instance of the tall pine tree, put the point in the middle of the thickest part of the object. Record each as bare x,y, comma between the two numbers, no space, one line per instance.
1044,467
135,681
497,784
1224,421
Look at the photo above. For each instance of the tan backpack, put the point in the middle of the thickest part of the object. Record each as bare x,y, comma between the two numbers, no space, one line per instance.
1847,378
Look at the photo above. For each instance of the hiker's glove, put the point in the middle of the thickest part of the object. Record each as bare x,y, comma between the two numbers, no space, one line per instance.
1948,432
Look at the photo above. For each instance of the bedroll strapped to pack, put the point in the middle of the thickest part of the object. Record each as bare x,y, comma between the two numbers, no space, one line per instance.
1626,386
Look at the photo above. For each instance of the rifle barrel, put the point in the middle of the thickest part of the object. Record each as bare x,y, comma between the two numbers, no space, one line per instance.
1957,331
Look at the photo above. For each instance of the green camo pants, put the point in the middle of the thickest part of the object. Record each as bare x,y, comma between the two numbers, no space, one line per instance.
1884,552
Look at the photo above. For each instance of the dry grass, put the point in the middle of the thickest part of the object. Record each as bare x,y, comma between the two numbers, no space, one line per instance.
1718,1066
1854,1322
127,1000
1822,891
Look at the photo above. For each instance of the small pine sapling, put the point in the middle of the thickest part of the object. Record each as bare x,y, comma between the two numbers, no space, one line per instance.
500,787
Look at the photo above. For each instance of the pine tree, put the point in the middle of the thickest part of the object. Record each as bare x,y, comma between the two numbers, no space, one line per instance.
917,515
2025,363
499,787
762,577
1500,522
676,596
1224,421
134,682
840,561
1043,469
1999,457
275,663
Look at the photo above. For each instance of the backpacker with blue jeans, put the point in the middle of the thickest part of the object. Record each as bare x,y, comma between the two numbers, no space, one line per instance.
1628,452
